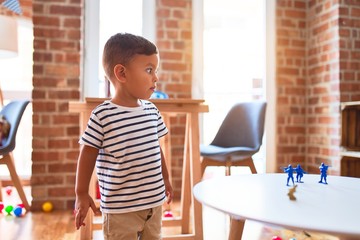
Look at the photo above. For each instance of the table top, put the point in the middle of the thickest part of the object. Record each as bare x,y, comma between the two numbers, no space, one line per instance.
156,100
179,105
330,208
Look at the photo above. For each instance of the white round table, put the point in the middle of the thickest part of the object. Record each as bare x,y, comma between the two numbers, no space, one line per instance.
332,208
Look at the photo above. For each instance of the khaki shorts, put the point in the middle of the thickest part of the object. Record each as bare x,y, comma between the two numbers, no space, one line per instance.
140,225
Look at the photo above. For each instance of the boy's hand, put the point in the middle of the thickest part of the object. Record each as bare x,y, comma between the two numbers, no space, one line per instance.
82,204
168,191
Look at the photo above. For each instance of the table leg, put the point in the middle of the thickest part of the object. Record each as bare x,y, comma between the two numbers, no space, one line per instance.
165,143
186,188
236,229
86,231
195,171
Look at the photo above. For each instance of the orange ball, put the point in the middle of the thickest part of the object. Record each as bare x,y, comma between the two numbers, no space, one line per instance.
47,207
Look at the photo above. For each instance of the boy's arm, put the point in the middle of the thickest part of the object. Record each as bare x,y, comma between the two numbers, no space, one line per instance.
85,168
168,188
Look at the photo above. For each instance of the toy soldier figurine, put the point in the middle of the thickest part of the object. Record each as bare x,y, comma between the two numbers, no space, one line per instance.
290,171
323,173
299,173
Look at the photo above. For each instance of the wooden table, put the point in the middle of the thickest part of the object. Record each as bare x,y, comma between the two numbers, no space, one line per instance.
191,164
332,208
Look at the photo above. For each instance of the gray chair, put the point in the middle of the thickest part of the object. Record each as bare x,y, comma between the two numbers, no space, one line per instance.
13,113
238,138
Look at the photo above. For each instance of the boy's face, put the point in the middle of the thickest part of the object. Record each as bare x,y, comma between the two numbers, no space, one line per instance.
141,76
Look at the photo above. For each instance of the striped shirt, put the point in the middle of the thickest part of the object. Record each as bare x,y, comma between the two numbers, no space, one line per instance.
128,165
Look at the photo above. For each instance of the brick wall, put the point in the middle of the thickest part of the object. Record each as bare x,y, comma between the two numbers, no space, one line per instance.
291,71
174,40
349,54
56,81
323,96
317,68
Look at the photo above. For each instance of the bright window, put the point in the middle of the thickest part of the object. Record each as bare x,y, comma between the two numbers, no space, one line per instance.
234,57
106,18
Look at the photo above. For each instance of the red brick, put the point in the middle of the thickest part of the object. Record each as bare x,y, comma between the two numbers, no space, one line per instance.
65,10
61,192
62,168
46,21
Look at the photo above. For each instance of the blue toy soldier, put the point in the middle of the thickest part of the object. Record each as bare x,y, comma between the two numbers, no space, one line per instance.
299,173
290,171
323,172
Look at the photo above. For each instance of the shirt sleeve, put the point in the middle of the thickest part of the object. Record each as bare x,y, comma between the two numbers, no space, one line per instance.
94,133
162,129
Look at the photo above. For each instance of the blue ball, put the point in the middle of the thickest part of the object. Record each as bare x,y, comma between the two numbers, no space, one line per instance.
18,211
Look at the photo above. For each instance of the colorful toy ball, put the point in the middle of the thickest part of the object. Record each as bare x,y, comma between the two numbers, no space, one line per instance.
1,206
9,209
47,207
18,211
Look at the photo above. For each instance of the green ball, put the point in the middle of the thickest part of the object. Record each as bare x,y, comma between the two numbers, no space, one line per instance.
9,209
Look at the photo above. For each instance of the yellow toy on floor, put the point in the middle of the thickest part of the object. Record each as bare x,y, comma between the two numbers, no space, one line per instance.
47,207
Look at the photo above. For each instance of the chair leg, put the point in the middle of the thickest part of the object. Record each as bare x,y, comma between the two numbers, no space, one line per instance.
252,166
8,159
203,167
210,162
227,171
248,162
228,167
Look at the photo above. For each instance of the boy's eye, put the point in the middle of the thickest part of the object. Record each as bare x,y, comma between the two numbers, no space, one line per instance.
149,70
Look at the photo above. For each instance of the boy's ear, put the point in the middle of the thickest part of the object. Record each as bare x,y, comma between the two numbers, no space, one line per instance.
119,72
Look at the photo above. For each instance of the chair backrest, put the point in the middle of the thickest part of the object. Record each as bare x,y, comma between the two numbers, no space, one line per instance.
243,126
12,112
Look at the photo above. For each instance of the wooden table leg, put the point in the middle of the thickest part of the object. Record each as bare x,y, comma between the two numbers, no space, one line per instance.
186,188
236,229
195,171
86,231
165,143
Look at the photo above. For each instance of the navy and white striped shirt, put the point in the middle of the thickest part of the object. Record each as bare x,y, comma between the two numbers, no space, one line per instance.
129,162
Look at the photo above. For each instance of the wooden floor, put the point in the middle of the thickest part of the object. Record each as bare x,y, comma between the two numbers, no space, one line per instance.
59,225
56,225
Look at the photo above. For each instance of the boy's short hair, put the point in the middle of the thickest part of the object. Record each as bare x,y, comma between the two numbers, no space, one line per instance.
122,47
